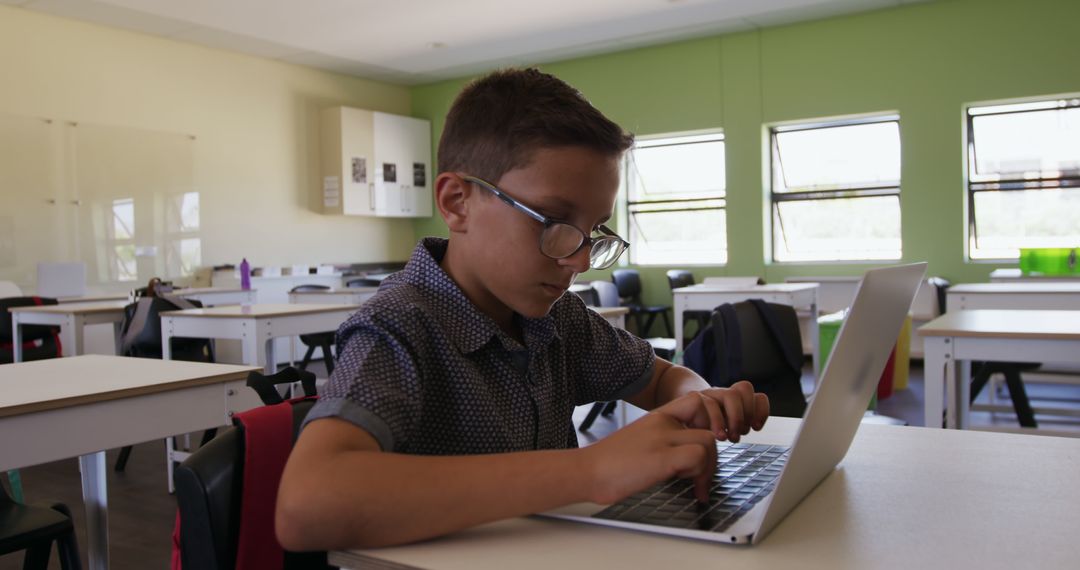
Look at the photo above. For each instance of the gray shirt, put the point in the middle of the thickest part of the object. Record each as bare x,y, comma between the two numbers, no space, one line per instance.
425,372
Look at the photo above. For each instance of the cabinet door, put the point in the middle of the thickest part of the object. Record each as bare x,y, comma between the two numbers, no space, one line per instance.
404,143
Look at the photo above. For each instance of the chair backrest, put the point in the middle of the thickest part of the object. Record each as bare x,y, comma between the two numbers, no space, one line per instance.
628,282
209,492
308,287
363,282
756,341
31,332
588,295
679,278
146,342
607,294
941,291
266,386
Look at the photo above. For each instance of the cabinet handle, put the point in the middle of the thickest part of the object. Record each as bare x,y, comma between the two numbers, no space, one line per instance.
371,197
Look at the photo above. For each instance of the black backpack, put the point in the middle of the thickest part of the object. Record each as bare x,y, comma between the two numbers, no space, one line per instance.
755,341
140,331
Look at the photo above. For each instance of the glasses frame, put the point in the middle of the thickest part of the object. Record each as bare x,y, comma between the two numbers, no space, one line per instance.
548,222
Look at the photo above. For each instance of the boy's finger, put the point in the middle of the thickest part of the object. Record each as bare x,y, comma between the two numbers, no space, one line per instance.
761,407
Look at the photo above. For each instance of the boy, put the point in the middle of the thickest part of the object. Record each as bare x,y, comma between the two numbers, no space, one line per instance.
451,402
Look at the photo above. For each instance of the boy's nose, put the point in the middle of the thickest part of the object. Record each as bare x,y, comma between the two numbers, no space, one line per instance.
579,262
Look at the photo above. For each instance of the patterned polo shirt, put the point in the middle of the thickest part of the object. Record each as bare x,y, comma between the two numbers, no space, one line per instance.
423,371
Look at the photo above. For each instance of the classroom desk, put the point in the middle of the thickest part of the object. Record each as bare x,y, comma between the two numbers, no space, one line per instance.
707,297
903,497
93,298
72,318
216,296
956,338
345,296
1013,274
614,315
80,406
255,326
1017,295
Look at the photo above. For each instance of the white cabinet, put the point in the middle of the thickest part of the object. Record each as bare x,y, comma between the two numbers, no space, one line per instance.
375,164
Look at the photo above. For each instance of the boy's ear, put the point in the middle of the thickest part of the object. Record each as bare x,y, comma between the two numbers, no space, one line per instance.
451,197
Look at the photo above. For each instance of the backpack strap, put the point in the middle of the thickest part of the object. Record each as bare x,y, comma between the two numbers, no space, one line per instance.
267,443
792,355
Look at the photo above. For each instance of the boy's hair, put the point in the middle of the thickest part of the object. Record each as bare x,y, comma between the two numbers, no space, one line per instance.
499,120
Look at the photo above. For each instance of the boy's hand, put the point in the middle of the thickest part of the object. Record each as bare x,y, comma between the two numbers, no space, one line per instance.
677,439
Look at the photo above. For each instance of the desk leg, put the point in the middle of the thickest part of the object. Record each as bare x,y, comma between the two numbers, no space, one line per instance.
271,355
963,393
166,338
16,337
116,337
95,497
679,304
71,336
936,354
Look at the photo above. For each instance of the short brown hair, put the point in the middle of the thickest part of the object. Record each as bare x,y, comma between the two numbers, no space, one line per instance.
499,120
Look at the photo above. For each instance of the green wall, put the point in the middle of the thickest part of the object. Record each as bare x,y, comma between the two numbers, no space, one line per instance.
925,61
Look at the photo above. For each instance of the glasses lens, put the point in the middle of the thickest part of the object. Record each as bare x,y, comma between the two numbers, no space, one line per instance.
560,240
605,251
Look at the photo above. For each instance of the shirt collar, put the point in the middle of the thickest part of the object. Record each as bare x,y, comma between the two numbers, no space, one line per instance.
463,323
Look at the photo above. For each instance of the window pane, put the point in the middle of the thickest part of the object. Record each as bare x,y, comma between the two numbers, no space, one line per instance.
123,266
123,218
837,157
1025,145
837,229
1007,221
667,236
668,169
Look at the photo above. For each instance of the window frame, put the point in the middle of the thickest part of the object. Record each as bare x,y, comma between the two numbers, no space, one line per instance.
974,183
775,168
626,226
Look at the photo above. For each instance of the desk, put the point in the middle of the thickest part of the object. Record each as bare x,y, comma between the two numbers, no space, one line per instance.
93,298
707,297
956,338
904,497
1012,275
77,407
72,319
346,296
214,296
255,326
1017,295
614,315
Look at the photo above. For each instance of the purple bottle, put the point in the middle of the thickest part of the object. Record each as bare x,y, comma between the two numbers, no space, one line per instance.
245,275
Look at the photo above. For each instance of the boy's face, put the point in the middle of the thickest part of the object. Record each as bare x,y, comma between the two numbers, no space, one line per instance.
569,184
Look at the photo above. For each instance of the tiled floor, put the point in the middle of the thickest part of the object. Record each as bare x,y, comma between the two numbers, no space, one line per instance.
141,512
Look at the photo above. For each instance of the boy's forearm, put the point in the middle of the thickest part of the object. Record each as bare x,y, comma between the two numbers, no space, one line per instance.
365,499
678,381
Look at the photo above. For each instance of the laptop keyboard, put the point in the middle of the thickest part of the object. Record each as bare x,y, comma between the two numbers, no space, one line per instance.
745,474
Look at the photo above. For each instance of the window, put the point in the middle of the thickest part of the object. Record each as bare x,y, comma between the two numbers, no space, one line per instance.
675,200
121,234
1023,177
835,191
183,252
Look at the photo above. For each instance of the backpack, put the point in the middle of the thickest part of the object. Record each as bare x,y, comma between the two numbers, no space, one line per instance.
755,341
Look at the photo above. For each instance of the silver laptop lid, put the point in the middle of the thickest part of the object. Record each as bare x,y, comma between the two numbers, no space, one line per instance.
859,354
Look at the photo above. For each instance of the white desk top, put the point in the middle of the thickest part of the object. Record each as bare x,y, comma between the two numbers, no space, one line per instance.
62,382
73,308
608,312
1006,324
769,288
92,298
259,310
1034,287
904,497
201,290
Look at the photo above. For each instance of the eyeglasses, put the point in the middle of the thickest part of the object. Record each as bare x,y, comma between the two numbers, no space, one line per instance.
559,239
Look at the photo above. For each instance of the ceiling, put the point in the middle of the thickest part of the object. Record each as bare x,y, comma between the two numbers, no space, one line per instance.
420,41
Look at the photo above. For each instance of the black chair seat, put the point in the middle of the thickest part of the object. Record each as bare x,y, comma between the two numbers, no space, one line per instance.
33,529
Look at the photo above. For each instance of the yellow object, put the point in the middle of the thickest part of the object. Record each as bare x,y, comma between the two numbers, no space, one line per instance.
902,362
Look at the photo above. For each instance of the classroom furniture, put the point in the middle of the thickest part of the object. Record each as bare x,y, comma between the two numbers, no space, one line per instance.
375,164
217,296
61,279
682,278
363,282
614,315
1015,295
34,529
44,340
1011,275
802,296
72,318
320,294
628,283
903,497
94,298
80,406
956,338
323,340
617,317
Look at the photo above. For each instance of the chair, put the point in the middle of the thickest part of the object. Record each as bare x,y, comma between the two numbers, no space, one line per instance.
209,489
146,343
323,340
39,341
628,282
587,294
682,278
983,371
34,529
755,341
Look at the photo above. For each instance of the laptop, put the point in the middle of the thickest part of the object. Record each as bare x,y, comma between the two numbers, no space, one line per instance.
756,486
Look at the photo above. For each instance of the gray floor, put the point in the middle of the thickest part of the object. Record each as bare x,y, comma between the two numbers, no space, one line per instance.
141,512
